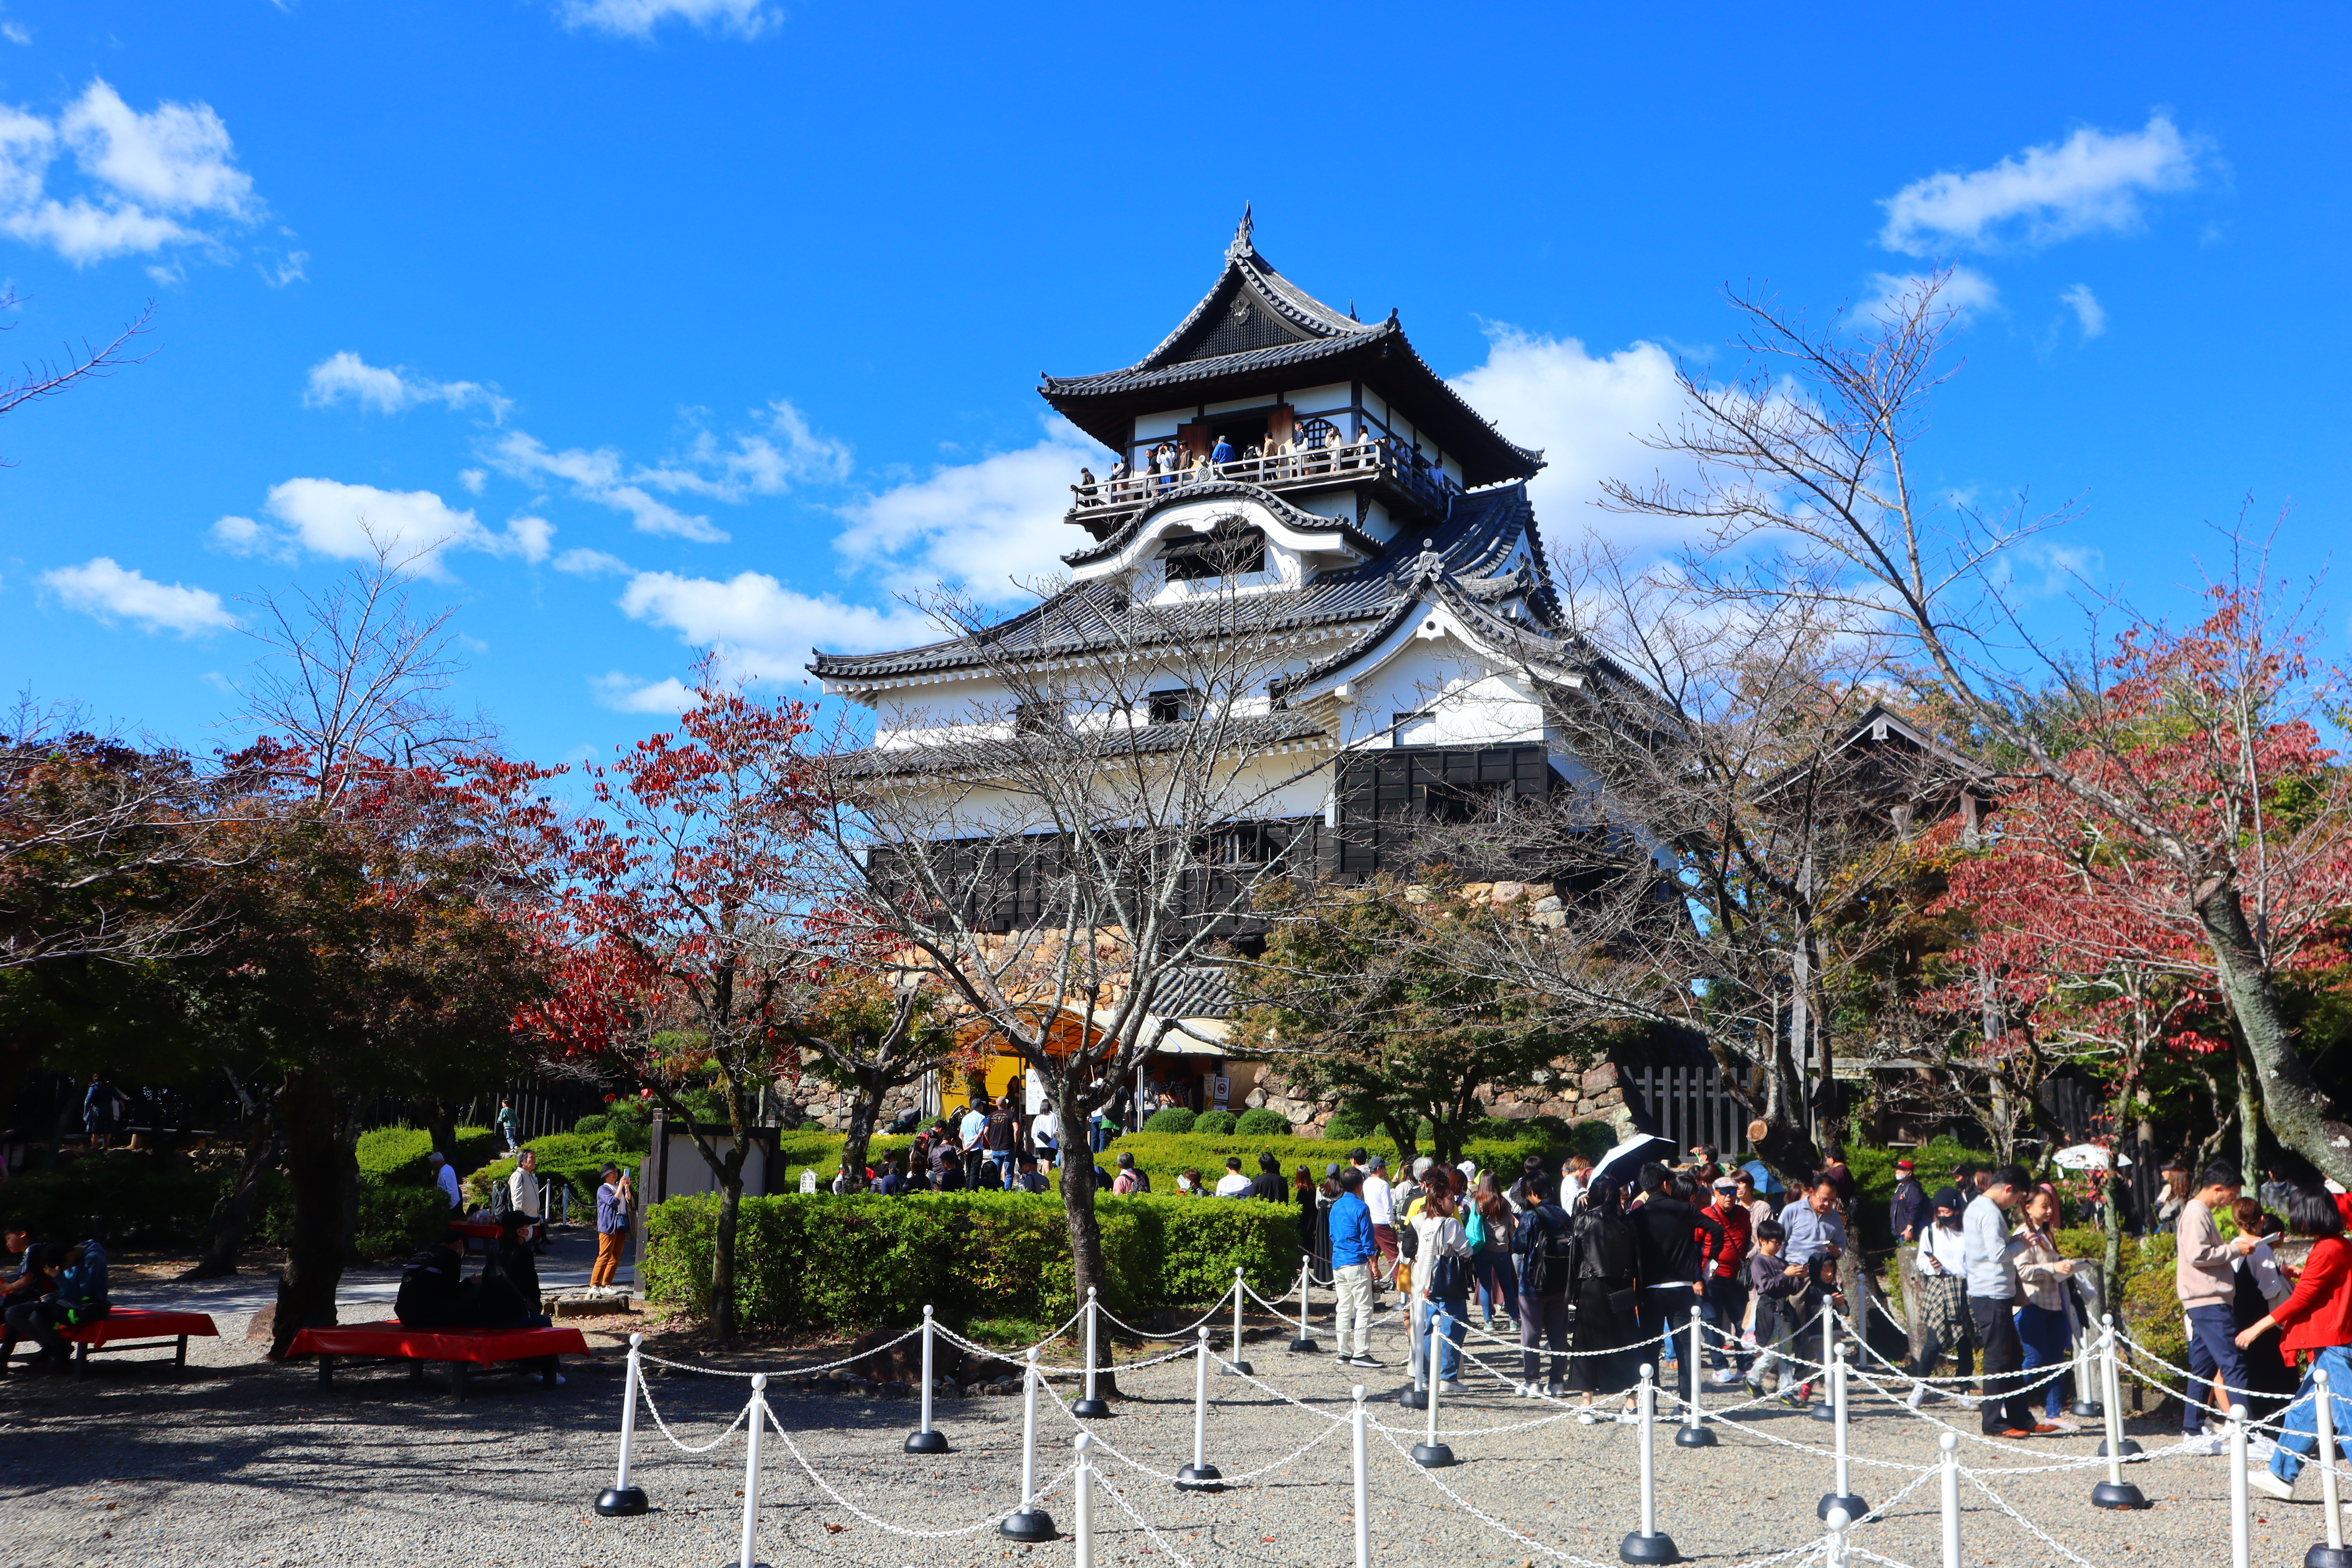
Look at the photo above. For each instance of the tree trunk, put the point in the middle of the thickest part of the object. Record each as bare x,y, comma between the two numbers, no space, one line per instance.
233,1215
2249,1117
865,1110
314,1261
722,1250
1405,1133
441,1125
2301,1117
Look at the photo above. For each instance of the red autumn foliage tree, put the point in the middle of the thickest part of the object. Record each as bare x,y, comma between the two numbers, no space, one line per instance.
678,908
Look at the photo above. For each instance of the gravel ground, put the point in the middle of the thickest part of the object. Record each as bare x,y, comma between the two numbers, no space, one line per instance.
241,1462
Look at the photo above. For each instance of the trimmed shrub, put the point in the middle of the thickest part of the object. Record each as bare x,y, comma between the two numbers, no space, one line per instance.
851,1262
1214,1123
1260,1123
1346,1125
592,1126
1169,1118
396,1154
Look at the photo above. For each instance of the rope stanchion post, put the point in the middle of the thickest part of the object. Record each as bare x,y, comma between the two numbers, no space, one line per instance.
1305,1341
2240,1519
1648,1544
1083,1502
749,1557
1429,1452
1412,1395
1237,1367
926,1438
1949,1443
1200,1476
1093,1406
1840,1521
2089,1404
2115,1491
2331,1552
1363,1488
1825,1409
1032,1522
1842,1498
622,1500
1695,1432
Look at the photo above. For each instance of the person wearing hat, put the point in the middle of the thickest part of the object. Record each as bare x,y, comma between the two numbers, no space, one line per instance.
1726,1279
1381,1204
1909,1215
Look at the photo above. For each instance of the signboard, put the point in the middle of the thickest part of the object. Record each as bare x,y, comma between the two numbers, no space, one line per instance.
1225,1088
808,1182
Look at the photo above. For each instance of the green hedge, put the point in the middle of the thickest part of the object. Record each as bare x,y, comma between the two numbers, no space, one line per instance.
1164,1154
1171,1119
1263,1123
1215,1123
397,1154
576,1160
854,1262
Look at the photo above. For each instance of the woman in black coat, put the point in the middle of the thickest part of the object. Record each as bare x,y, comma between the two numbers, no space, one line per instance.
1602,1246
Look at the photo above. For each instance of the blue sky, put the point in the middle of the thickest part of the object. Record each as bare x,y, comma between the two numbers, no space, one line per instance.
717,322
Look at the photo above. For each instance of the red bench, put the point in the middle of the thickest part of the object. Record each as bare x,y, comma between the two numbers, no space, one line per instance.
128,1329
461,1348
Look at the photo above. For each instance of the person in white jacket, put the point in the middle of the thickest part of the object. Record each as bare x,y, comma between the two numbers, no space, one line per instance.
1438,1235
1943,1291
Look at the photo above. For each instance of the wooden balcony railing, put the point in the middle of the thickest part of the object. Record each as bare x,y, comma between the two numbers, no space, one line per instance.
1337,464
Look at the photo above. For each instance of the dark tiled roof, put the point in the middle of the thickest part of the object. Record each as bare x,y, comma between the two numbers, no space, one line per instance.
1282,327
1475,543
1307,521
1204,991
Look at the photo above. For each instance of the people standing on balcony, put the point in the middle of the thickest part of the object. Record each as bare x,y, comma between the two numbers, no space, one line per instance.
1220,454
1115,481
1085,489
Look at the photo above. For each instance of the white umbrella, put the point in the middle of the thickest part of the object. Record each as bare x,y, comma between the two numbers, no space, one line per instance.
1629,1149
2087,1157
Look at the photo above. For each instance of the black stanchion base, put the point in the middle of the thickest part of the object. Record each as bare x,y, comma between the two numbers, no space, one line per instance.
1431,1456
1824,1409
1413,1397
2087,1410
1855,1507
621,1502
1200,1478
1689,1436
1091,1409
1030,1524
2129,1448
1238,1369
1639,1548
1302,1346
2117,1494
932,1442
2325,1556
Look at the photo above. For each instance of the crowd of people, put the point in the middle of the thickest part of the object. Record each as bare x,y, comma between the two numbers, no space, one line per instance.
1318,447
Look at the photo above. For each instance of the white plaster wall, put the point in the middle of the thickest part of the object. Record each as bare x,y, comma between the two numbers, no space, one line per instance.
1159,427
1466,703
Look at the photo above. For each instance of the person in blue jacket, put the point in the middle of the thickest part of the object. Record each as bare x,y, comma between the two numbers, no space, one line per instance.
1352,1250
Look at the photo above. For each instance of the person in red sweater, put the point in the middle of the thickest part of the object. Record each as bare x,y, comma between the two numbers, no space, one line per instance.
2317,1318
1726,1281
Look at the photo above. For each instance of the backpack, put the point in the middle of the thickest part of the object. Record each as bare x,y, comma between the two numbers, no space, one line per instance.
1551,1263
81,1284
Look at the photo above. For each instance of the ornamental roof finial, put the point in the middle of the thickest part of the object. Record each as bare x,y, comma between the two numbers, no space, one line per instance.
1241,244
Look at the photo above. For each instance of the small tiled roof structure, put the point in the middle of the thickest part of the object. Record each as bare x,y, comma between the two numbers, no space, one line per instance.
1471,553
1255,320
1204,991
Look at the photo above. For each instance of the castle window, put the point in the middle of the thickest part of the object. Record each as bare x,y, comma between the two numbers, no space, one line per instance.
1169,707
1232,550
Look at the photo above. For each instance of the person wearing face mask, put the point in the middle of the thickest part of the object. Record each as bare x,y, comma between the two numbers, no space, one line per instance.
1942,1275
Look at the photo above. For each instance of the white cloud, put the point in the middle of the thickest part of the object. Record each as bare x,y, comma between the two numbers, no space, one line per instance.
348,522
590,563
150,178
2093,180
763,628
100,587
627,694
1590,414
1966,292
639,18
288,269
16,32
2087,309
473,480
777,452
344,376
975,527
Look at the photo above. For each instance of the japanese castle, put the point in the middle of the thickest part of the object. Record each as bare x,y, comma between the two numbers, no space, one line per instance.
1276,447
